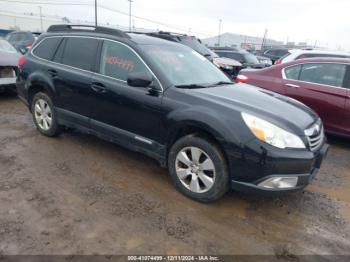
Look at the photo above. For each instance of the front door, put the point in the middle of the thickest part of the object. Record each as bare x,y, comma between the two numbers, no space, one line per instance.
130,114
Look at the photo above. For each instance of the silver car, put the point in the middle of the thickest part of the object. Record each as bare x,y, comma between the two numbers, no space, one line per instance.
8,65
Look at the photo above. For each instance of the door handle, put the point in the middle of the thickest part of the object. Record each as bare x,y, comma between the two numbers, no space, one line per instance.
52,72
98,87
292,85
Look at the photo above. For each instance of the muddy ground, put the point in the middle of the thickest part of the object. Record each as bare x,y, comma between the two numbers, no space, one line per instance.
76,194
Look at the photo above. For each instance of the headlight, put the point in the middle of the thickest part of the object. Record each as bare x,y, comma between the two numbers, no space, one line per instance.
271,134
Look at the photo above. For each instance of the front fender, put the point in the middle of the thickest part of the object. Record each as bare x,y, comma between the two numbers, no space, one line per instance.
224,130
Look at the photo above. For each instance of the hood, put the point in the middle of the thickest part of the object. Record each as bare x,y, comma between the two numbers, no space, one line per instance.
9,58
280,110
226,61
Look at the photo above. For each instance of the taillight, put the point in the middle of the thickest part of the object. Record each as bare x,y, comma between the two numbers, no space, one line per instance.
21,62
29,46
278,62
241,79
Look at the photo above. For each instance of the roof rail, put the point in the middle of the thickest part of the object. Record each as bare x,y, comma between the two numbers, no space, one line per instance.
87,28
170,33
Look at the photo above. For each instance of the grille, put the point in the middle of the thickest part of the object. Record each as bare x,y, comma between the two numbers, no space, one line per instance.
315,136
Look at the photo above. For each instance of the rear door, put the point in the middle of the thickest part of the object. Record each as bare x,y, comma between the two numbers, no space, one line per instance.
321,87
71,72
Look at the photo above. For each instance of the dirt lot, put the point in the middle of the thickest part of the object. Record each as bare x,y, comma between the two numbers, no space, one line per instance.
77,194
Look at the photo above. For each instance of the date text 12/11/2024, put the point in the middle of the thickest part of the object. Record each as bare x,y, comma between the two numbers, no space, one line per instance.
173,258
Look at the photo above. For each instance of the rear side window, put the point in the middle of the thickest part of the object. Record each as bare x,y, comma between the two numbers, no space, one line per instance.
118,61
292,72
46,49
326,74
80,52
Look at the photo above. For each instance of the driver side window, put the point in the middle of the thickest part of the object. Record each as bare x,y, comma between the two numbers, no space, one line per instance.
117,61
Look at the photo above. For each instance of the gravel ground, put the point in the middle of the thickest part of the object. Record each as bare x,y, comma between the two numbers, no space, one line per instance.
76,194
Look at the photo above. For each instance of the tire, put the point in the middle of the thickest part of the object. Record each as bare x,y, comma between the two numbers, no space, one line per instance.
207,187
44,115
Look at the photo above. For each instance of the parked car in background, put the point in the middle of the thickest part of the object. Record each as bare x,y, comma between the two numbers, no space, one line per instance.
8,66
321,83
4,32
275,54
169,102
245,58
229,66
22,40
296,54
262,59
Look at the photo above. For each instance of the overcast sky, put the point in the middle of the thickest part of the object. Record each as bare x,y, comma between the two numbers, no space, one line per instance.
324,21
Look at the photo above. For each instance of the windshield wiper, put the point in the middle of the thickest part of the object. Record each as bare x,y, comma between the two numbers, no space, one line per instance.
191,86
220,83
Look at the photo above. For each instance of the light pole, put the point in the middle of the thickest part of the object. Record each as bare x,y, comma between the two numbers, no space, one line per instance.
130,1
96,13
41,19
219,32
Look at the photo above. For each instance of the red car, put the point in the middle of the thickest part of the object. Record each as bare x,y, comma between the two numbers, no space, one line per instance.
321,83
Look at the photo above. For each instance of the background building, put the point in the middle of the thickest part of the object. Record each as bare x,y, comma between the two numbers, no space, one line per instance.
240,41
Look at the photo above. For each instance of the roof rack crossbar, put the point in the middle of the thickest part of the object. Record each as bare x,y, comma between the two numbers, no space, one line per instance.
87,28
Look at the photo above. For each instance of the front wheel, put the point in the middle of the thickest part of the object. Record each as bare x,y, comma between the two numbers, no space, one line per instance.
198,168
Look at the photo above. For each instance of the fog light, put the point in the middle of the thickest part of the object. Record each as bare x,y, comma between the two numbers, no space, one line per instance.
279,182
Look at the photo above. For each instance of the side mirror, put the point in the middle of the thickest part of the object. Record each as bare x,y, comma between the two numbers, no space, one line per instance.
140,79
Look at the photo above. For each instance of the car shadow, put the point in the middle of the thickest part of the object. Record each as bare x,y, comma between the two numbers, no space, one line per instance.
334,140
8,95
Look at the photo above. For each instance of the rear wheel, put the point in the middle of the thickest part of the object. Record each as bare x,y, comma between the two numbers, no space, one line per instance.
198,168
44,115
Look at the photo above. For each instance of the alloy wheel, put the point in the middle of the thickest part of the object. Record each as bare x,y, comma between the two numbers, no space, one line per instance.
195,169
43,114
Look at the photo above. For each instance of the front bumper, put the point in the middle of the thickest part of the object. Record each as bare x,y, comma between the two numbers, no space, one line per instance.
303,178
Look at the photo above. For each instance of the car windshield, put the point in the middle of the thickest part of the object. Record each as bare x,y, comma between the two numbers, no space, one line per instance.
251,59
184,66
6,46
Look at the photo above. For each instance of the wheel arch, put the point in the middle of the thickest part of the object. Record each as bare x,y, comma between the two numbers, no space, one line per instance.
198,129
39,82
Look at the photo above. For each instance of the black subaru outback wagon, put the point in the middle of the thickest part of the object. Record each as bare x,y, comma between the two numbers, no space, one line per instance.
165,100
